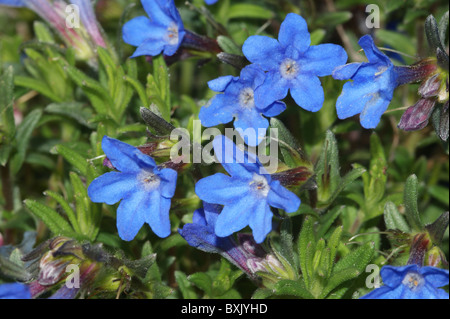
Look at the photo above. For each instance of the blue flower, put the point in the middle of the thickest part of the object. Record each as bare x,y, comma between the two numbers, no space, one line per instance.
293,64
209,2
247,194
200,234
145,190
371,87
163,32
411,282
14,291
13,3
238,102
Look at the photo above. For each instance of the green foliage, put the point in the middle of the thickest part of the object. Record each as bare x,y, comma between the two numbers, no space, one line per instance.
366,194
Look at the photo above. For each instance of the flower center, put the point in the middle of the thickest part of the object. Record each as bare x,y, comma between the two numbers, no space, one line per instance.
260,185
148,180
289,69
247,98
172,34
413,281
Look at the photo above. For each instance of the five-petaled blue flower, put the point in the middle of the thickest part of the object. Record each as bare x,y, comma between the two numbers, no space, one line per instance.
145,190
371,87
238,102
411,282
293,64
14,291
163,32
247,194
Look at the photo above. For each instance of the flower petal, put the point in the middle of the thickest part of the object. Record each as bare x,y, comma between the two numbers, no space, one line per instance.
346,72
132,214
373,54
322,59
217,111
124,157
159,11
234,216
260,221
239,164
264,51
157,216
221,83
294,30
13,3
273,109
308,93
220,189
354,97
111,187
393,276
151,47
282,198
252,126
137,30
373,110
437,277
274,88
168,182
383,292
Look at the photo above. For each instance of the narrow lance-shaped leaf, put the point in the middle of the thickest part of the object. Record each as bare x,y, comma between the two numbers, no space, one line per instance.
410,198
393,219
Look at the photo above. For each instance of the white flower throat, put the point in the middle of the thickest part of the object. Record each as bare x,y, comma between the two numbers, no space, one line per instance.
259,185
148,180
172,34
413,280
247,98
289,69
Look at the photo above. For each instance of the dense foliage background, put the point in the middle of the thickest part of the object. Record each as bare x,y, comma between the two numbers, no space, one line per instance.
358,178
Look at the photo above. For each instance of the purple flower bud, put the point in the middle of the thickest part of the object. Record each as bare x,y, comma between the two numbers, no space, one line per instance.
416,117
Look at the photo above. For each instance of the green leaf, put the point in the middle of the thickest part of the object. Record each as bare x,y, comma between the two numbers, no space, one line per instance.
42,32
287,240
432,33
338,278
357,259
289,147
97,94
410,197
67,209
297,289
203,281
305,241
184,285
75,159
228,45
333,244
249,11
440,193
37,85
57,224
397,41
74,110
13,271
331,19
7,126
327,169
393,219
23,134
